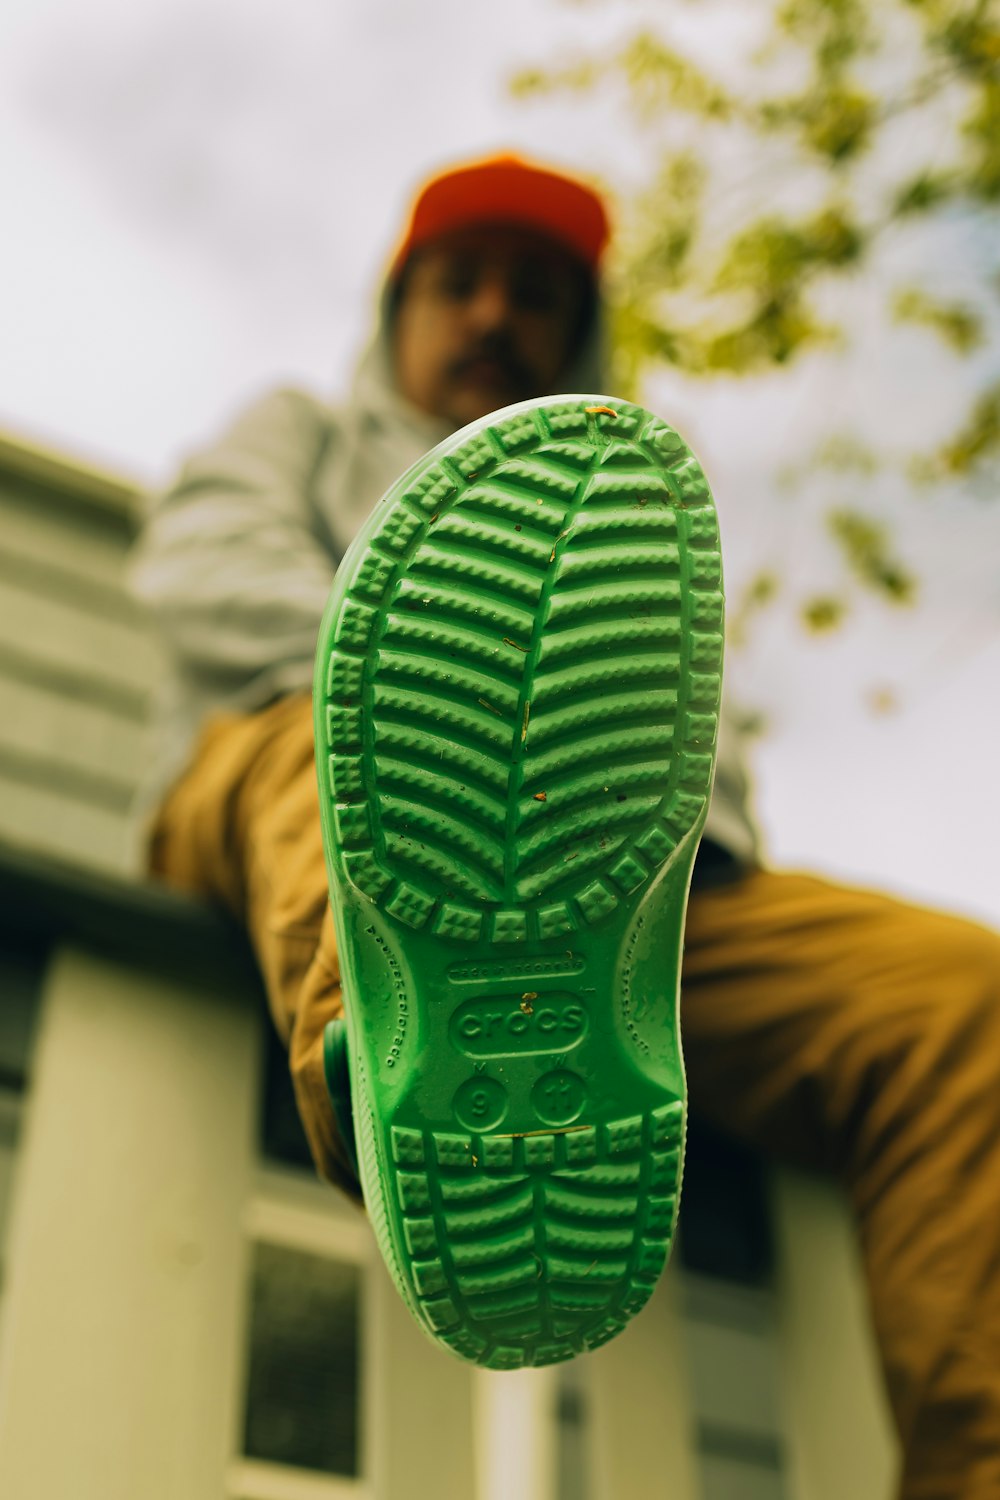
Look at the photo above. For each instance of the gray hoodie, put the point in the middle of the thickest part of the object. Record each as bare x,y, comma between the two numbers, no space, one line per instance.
236,558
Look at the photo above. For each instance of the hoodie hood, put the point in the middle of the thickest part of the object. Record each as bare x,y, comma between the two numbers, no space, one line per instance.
379,433
376,390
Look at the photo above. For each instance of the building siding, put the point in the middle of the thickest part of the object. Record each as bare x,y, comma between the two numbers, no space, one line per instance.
77,660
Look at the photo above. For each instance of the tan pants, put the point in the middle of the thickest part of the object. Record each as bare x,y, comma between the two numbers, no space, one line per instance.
828,1027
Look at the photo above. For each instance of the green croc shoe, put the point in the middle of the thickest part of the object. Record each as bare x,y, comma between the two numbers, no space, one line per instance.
516,701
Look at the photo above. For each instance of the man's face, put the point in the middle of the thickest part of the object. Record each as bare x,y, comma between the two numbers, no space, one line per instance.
488,316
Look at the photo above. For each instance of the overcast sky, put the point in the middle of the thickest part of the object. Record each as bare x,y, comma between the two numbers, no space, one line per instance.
205,193
199,197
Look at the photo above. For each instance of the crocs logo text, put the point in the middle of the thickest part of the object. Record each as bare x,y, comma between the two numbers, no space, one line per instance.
507,1024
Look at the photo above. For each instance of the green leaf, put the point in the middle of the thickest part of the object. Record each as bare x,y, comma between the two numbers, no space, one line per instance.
865,546
823,613
975,443
956,322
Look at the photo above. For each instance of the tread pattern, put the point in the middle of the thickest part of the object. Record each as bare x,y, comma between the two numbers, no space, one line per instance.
557,1235
539,608
517,701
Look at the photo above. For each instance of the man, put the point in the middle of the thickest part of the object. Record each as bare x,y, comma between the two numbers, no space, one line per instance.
831,1028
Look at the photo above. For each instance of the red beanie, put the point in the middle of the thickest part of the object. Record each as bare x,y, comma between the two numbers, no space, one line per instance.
510,190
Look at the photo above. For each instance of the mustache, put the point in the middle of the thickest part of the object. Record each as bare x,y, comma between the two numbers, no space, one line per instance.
500,351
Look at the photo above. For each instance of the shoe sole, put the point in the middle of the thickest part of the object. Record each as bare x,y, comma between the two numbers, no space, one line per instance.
516,703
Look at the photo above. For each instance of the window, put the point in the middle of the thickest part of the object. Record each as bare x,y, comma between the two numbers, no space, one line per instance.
303,1376
301,1417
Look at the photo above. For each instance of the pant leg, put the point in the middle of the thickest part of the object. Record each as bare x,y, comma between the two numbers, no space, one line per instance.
242,828
846,1031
